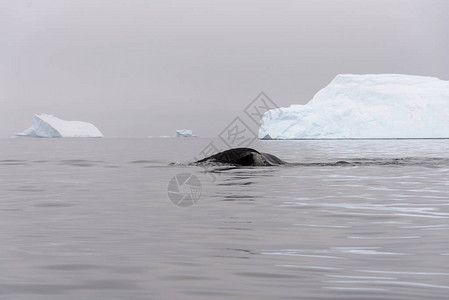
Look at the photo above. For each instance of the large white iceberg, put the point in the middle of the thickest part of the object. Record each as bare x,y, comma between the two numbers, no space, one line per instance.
366,106
48,126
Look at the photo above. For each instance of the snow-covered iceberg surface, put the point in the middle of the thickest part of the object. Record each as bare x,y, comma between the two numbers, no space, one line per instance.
366,106
48,126
184,133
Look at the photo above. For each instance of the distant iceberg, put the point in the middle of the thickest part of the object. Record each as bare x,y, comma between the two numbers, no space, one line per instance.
48,126
184,133
161,137
366,106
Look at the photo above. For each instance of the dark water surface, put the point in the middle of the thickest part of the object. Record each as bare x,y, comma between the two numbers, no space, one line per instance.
91,219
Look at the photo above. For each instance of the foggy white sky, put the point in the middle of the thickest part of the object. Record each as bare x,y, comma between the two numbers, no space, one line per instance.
147,67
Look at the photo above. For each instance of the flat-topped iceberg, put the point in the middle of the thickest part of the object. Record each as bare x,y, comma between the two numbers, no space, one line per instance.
184,133
366,106
48,126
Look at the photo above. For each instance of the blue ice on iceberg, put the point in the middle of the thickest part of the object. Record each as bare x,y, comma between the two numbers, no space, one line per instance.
366,106
49,126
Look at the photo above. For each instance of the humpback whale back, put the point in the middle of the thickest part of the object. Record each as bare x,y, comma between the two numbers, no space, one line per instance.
243,157
273,160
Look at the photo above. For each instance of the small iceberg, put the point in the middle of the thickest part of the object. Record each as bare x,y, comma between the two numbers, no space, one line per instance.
366,106
184,133
49,126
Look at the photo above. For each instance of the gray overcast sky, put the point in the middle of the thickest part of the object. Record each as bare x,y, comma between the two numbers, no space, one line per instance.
147,67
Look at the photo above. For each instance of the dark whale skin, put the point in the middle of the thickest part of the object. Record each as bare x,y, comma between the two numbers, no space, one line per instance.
243,157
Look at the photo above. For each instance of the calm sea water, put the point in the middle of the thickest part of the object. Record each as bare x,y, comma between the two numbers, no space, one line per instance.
91,219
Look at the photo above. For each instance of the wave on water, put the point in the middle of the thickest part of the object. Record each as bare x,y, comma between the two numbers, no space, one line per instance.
352,162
